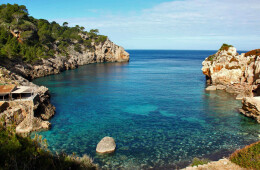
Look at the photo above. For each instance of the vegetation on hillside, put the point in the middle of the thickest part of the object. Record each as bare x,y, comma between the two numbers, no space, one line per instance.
225,47
197,161
253,52
22,37
248,157
25,153
211,57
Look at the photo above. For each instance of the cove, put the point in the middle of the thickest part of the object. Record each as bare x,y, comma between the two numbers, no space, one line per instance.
155,107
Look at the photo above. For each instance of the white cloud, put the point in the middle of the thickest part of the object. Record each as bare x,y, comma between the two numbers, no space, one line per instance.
188,20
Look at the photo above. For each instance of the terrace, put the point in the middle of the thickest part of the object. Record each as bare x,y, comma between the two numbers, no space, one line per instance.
13,92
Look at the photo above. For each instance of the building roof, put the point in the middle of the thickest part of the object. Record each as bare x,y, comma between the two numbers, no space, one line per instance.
6,89
23,89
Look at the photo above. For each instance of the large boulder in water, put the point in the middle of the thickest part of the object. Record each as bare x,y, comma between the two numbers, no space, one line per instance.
106,145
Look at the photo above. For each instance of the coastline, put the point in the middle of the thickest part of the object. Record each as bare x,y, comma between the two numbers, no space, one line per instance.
236,74
37,113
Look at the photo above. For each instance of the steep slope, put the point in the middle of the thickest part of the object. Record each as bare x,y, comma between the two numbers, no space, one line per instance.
105,52
36,47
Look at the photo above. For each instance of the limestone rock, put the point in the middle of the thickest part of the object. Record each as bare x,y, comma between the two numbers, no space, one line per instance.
26,115
251,107
104,52
221,87
211,88
235,72
106,145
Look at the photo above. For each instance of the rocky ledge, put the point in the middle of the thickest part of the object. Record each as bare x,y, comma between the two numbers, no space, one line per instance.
251,107
101,52
235,73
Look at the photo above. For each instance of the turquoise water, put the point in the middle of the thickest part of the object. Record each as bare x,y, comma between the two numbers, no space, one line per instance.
155,107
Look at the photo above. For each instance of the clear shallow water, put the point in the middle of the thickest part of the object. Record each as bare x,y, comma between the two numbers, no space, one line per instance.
155,107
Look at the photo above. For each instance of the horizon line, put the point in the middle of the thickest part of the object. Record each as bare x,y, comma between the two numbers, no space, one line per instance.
178,49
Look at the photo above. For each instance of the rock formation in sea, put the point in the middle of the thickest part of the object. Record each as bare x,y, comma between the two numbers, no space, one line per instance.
235,73
106,145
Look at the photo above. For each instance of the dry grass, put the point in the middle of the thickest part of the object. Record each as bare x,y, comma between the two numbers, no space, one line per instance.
222,164
248,157
233,59
253,52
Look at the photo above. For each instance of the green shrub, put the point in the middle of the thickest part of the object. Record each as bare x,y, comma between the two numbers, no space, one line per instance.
197,161
101,39
25,153
225,47
77,48
248,157
211,57
34,34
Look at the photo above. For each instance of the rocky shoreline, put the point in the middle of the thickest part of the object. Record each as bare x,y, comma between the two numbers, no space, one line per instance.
102,52
33,115
238,74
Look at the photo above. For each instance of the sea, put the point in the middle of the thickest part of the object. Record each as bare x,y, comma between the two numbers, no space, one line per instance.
155,107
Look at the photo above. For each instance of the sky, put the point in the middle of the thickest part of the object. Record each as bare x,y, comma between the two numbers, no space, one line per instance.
159,24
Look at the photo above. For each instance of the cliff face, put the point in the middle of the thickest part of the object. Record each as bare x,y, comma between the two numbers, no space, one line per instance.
26,115
235,73
103,52
31,115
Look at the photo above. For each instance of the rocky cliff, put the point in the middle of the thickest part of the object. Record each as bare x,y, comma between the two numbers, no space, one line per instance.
102,52
30,116
235,73
26,115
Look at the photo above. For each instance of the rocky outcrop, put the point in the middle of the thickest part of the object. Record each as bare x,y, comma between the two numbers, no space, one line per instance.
251,107
102,52
236,73
239,74
223,164
26,115
106,145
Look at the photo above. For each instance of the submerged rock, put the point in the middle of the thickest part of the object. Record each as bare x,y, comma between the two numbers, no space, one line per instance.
211,88
106,145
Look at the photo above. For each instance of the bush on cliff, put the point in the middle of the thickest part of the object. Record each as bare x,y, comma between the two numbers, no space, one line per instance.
25,153
225,47
25,38
253,52
197,161
248,157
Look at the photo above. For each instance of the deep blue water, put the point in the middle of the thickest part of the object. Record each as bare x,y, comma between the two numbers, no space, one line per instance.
155,107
